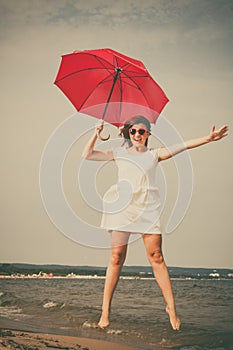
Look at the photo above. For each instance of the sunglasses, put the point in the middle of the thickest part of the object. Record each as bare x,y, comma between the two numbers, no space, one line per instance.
140,131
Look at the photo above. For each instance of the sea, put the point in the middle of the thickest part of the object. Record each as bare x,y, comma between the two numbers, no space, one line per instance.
71,305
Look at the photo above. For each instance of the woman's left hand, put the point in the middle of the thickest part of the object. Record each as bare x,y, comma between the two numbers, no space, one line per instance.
216,135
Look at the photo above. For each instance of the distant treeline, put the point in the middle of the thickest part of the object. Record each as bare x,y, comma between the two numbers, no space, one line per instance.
131,271
56,270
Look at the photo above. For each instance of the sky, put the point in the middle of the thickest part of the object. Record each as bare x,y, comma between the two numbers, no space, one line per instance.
187,47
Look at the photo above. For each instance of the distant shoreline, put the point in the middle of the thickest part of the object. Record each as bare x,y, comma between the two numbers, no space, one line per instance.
52,271
121,277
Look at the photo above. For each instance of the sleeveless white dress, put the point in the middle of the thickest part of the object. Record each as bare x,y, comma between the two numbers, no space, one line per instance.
133,204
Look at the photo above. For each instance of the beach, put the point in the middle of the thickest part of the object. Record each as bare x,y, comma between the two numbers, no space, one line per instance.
12,339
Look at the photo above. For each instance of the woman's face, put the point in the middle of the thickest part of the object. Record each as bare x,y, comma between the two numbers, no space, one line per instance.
138,134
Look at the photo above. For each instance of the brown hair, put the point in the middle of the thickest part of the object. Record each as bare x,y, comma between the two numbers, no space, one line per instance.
139,119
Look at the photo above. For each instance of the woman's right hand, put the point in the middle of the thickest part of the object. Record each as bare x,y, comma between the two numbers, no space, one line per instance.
100,127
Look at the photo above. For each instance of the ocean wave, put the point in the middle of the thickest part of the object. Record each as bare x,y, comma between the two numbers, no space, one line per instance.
49,305
12,312
88,324
52,304
114,331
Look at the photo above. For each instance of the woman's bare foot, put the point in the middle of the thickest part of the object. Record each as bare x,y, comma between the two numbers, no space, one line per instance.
104,321
174,319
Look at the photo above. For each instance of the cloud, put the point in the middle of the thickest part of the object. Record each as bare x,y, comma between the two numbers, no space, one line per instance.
153,13
192,34
181,25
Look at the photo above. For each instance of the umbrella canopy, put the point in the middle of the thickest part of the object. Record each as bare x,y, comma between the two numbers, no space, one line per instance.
108,85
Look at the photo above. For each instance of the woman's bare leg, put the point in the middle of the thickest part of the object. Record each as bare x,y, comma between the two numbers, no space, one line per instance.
153,244
119,243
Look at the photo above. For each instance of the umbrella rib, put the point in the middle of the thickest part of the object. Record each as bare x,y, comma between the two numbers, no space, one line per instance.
100,61
121,94
136,76
104,68
116,60
124,67
119,83
101,82
127,83
79,71
89,69
138,87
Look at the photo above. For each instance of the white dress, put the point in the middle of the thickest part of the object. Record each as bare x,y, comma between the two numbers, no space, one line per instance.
133,204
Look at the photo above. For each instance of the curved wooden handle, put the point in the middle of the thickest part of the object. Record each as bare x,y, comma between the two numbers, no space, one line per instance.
102,138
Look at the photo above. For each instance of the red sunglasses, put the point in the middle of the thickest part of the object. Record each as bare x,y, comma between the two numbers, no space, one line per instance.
140,131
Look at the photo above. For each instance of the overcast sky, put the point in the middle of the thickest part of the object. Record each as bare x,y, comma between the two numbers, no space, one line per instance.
187,47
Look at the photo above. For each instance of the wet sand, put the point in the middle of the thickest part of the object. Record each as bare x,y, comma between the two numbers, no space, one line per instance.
12,339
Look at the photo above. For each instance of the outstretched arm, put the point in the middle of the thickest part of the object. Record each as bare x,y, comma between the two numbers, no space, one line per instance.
214,135
91,154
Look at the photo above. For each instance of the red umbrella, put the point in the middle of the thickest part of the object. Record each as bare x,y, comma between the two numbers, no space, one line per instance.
108,85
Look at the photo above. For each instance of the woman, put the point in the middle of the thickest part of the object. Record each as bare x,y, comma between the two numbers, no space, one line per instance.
137,165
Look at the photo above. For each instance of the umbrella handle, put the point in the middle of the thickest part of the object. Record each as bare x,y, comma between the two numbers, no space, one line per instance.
99,132
102,138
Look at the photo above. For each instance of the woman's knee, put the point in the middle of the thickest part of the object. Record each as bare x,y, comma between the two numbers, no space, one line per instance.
156,256
153,244
118,258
